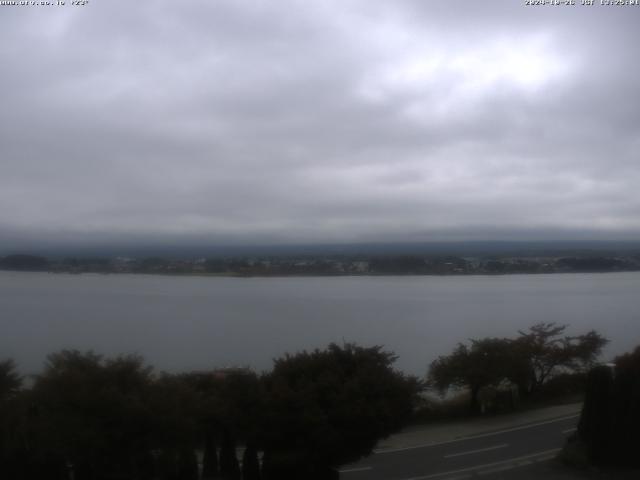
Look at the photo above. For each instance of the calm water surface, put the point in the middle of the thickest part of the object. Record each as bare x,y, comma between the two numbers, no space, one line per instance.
199,322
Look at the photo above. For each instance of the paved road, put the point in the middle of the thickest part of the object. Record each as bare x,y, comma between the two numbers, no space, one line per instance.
489,454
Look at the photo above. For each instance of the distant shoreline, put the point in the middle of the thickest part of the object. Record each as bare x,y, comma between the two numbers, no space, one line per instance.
330,265
313,275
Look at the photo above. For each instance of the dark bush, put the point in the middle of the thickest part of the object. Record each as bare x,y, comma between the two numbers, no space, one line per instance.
610,420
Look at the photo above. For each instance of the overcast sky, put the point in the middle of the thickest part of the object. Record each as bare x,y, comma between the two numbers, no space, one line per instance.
318,121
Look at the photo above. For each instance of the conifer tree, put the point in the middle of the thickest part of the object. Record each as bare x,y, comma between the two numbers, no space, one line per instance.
250,463
210,459
229,466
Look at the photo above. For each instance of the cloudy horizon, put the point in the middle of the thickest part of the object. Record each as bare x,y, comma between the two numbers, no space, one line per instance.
337,121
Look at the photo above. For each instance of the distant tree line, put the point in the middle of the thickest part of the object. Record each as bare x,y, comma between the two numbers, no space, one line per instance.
87,417
326,265
527,362
24,262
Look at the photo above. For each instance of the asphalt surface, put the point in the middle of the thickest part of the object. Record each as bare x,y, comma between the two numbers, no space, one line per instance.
499,454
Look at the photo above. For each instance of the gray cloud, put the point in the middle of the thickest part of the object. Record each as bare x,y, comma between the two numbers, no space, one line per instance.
327,121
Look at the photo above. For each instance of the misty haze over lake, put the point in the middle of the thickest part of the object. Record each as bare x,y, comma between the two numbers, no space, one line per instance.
180,323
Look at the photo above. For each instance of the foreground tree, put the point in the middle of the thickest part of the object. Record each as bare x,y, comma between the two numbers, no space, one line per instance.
626,403
596,420
330,407
547,350
210,458
485,362
528,361
230,404
93,414
250,464
10,384
229,465
10,380
610,420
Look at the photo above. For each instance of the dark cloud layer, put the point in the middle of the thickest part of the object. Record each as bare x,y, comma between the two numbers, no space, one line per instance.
332,121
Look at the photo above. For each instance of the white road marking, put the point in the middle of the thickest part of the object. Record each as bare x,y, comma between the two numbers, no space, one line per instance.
482,435
359,469
502,468
547,454
569,430
495,447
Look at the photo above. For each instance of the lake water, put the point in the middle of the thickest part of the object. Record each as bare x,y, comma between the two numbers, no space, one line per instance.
180,323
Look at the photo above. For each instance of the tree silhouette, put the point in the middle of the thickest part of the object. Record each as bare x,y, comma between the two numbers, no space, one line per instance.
547,350
610,419
10,381
93,413
210,458
10,445
97,418
527,361
485,362
330,407
229,466
250,463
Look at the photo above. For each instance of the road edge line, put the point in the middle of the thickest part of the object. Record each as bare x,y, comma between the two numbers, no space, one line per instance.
488,465
480,435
